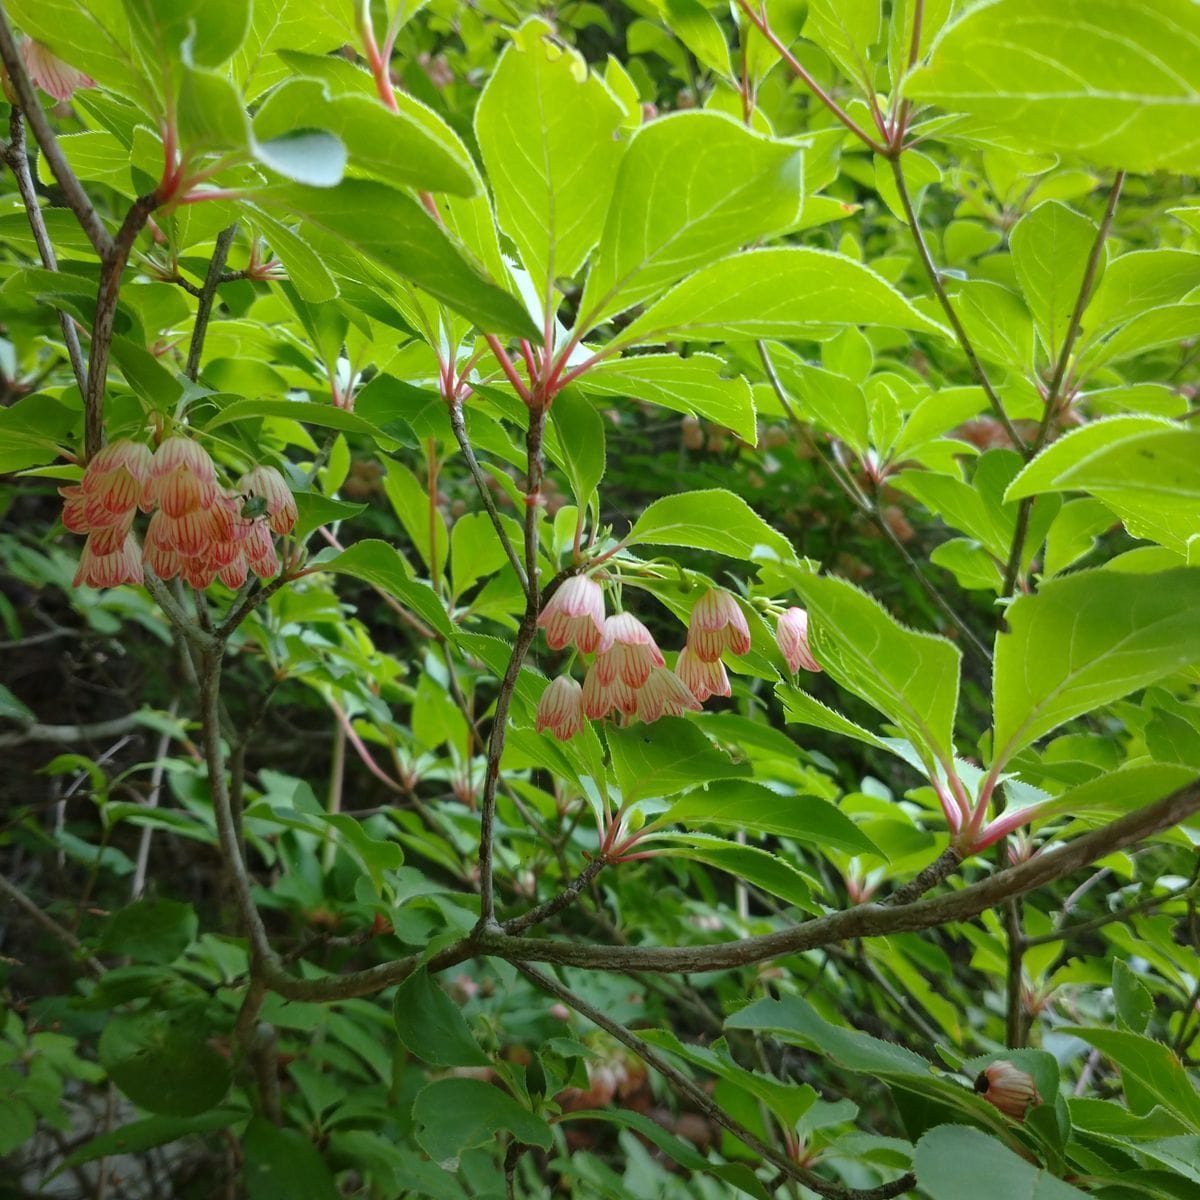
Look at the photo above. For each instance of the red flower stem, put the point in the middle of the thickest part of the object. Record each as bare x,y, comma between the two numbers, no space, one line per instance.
507,367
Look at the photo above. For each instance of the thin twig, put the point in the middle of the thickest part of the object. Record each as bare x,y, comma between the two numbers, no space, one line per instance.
869,508
555,905
156,779
956,324
701,1099
17,159
112,268
47,922
485,494
71,734
76,198
208,295
1054,394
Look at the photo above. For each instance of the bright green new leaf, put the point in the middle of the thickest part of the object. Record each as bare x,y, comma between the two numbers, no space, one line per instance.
392,145
393,230
1050,248
1138,281
666,758
671,215
1085,640
829,400
846,30
910,677
743,804
950,1155
757,867
785,292
699,31
699,384
202,33
548,130
1113,83
379,564
710,520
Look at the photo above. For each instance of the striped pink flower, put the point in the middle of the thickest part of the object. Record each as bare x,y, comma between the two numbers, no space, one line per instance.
267,483
122,565
791,634
561,708
599,698
702,679
627,651
575,613
47,71
1011,1090
664,693
718,624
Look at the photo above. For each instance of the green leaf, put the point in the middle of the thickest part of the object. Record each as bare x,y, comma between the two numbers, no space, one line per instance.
699,31
669,217
846,30
453,1115
910,677
548,132
1085,640
432,1026
665,758
802,709
796,1022
92,35
210,113
1135,1006
742,804
578,443
206,33
784,292
393,145
422,521
831,401
699,385
151,931
139,1136
774,875
1151,1066
308,411
1135,282
316,510
1050,248
711,520
162,1062
394,231
379,564
950,1155
1049,77
283,1164
788,1101
308,156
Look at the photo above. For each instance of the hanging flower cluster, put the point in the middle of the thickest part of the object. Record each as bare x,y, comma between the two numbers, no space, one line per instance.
199,531
629,674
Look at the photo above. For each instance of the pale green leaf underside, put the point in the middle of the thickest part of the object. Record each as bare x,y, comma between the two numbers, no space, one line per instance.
1112,81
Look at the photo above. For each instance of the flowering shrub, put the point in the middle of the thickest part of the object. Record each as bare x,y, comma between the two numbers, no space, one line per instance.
625,576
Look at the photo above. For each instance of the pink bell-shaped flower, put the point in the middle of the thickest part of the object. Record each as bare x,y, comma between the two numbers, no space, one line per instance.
561,708
269,485
718,624
664,693
791,634
111,569
627,651
702,679
575,613
599,698
48,72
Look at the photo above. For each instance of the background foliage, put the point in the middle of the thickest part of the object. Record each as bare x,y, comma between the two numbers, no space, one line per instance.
886,311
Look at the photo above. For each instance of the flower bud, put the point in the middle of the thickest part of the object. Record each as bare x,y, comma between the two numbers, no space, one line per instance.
791,634
1011,1090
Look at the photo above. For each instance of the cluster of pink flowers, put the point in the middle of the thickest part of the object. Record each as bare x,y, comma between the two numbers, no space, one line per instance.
198,530
630,675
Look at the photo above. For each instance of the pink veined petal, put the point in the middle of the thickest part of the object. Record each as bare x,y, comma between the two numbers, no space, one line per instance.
272,487
664,694
791,634
703,679
234,575
47,71
561,708
176,452
626,629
